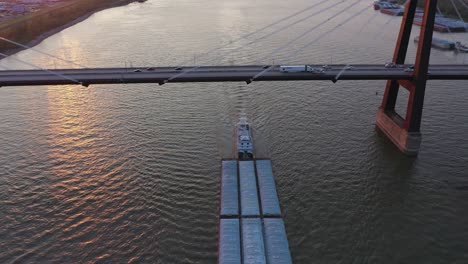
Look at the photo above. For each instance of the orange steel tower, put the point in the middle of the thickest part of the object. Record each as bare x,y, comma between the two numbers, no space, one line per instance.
405,132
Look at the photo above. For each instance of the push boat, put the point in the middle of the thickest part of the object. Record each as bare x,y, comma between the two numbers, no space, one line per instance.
245,149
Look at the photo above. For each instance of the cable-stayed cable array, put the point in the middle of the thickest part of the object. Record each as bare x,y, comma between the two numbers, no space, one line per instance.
48,71
260,38
246,36
304,34
255,36
463,3
459,15
36,66
293,53
451,37
41,52
254,33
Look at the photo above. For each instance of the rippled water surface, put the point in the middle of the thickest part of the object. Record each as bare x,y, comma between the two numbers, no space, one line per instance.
130,173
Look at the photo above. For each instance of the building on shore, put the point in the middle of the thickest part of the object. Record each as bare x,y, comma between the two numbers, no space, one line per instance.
19,10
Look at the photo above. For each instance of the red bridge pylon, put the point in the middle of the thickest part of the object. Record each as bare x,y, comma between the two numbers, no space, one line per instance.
405,132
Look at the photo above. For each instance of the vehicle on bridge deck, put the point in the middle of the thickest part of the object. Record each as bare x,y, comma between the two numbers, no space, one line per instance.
300,68
245,149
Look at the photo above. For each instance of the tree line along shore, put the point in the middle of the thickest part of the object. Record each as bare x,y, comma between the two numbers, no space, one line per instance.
33,27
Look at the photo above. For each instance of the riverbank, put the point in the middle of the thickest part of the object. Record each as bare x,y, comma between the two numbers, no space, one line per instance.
448,8
32,28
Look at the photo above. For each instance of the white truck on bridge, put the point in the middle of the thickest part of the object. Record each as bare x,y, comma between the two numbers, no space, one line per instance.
300,68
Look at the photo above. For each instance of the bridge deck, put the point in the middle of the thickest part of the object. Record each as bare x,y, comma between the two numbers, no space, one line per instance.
219,74
255,234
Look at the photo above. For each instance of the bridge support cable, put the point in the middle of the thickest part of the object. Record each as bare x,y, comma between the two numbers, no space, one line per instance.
459,15
461,18
295,52
42,69
307,32
295,23
368,22
246,36
354,36
449,31
383,33
5,68
463,3
340,73
41,52
348,66
405,132
310,43
254,41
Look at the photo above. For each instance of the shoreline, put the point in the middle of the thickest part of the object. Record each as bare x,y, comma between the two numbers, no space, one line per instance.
44,35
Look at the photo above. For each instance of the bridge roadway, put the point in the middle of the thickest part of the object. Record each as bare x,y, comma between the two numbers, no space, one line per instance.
159,75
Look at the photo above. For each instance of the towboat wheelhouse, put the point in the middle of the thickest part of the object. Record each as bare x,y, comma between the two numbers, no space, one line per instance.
244,140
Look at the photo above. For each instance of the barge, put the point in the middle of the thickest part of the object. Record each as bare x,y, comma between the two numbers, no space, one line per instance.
385,4
444,24
251,228
440,43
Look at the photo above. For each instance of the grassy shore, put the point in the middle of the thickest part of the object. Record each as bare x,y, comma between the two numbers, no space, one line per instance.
33,28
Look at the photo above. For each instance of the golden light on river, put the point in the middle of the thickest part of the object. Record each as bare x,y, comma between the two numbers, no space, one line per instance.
81,150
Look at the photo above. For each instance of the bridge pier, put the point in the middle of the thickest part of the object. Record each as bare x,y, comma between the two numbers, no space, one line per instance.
407,142
405,132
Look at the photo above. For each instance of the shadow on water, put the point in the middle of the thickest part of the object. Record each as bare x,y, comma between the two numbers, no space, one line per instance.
361,209
387,151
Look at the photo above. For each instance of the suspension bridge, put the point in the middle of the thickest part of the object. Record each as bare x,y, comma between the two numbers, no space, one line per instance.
404,132
160,75
260,236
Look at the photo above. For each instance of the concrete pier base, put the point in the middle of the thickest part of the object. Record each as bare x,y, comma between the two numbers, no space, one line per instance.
392,126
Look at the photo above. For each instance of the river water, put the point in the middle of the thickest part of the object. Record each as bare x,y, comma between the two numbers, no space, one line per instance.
130,173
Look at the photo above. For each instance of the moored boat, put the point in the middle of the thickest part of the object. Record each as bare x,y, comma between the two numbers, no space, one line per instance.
460,47
443,24
440,43
389,4
439,28
393,11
